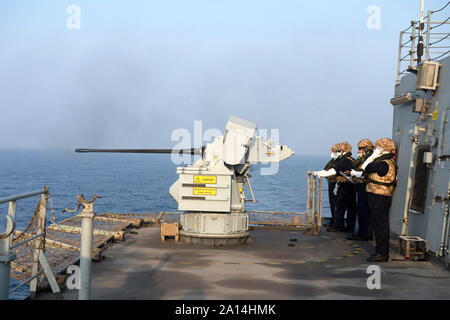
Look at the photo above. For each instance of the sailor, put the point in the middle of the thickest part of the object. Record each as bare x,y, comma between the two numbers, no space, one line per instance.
331,181
344,189
365,150
380,170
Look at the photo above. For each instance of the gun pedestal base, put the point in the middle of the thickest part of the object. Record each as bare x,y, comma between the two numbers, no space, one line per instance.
214,229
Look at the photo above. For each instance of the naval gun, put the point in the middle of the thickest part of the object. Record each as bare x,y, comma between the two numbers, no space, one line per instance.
210,191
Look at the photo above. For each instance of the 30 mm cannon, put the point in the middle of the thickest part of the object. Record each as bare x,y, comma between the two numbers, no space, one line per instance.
192,151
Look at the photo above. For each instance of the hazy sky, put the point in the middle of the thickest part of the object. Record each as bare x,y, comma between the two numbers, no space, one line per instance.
137,70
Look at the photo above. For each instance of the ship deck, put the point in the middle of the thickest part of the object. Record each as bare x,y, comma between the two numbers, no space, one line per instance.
317,267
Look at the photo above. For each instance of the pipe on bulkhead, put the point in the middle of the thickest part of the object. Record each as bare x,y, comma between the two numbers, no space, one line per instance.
444,240
411,171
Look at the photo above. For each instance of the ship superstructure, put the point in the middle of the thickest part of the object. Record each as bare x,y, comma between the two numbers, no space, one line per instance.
421,132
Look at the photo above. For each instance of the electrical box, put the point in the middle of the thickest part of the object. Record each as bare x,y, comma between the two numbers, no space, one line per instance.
427,76
420,105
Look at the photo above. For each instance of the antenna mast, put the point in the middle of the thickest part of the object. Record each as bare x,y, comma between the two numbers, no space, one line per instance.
421,27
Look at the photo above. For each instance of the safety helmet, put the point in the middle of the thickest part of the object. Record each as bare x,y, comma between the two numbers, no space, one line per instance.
385,143
345,147
365,144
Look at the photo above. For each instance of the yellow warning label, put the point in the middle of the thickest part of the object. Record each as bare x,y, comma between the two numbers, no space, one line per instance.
435,115
205,179
204,191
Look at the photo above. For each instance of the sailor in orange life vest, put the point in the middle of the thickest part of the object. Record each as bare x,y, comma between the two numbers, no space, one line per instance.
344,190
380,170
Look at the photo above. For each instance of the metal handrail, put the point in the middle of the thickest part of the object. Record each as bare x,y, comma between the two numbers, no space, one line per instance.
314,201
439,23
27,240
24,195
6,254
440,39
25,282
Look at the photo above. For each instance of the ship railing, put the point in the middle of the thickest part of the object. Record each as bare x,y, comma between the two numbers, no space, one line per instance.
309,220
40,254
432,35
314,200
9,242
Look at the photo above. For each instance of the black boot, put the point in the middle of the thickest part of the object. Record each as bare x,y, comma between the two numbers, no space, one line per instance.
378,258
349,229
358,237
334,229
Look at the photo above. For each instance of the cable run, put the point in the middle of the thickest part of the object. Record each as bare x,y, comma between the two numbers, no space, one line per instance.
448,34
442,8
440,24
435,58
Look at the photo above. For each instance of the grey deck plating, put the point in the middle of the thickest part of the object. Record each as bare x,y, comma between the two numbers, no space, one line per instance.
317,267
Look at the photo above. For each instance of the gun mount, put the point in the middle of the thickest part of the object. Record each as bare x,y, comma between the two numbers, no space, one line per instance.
210,191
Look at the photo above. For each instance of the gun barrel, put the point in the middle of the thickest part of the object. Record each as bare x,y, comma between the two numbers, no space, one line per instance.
192,151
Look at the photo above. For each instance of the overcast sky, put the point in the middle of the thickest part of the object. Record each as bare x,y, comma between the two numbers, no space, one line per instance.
137,70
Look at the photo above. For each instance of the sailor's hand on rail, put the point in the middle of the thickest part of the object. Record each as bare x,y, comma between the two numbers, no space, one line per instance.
325,173
317,173
357,174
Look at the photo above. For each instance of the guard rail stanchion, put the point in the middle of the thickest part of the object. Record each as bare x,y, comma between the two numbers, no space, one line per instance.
6,256
86,254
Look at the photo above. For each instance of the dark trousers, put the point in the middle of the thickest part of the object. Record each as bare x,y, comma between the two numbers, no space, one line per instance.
350,221
332,199
379,219
345,201
362,210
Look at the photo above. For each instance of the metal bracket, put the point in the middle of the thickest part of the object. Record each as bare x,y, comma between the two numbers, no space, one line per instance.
88,206
48,273
10,227
6,258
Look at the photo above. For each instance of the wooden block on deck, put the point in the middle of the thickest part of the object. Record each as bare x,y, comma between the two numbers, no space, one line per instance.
169,230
